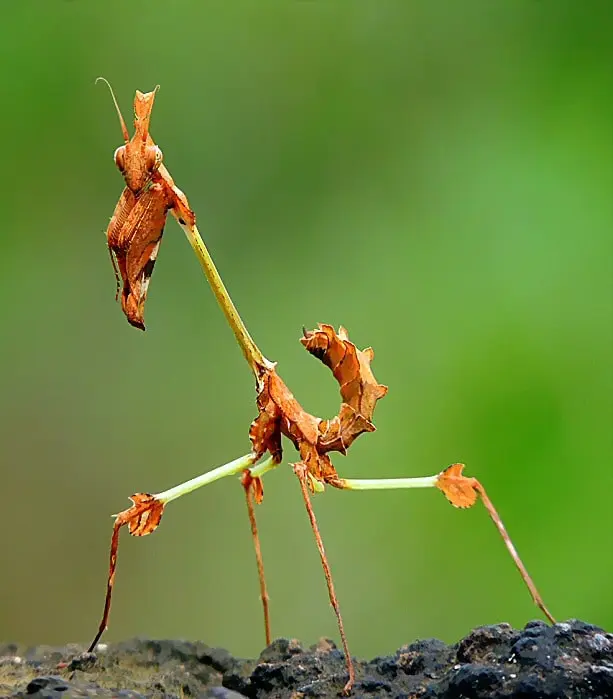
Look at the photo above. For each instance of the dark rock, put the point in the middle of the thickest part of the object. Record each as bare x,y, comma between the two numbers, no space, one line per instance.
570,660
474,681
280,649
370,685
222,693
426,658
218,658
489,644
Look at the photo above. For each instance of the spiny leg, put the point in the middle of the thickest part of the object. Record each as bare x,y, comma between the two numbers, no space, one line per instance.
536,597
145,515
301,471
253,491
461,492
109,587
249,486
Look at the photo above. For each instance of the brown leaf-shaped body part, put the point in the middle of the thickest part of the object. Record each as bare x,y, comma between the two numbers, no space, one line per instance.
359,389
180,207
116,225
135,244
338,433
256,485
460,490
280,413
350,366
144,516
135,230
265,430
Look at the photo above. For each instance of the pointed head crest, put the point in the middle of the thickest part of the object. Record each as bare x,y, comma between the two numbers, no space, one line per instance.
143,105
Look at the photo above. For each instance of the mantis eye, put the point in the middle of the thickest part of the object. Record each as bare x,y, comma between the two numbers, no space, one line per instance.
120,158
154,158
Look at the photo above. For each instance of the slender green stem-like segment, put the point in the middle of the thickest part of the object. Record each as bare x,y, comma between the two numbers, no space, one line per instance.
257,361
386,483
231,469
266,465
431,482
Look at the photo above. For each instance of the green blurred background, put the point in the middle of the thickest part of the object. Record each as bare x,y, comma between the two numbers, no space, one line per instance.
437,177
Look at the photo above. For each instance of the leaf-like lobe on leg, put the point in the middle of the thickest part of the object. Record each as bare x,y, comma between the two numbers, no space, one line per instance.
256,485
458,489
144,516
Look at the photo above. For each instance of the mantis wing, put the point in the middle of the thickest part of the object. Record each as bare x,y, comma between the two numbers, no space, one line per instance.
135,245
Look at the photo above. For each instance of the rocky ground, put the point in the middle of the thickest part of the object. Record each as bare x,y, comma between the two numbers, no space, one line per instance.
571,659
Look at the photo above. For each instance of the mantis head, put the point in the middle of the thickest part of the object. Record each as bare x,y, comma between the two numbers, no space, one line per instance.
139,158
